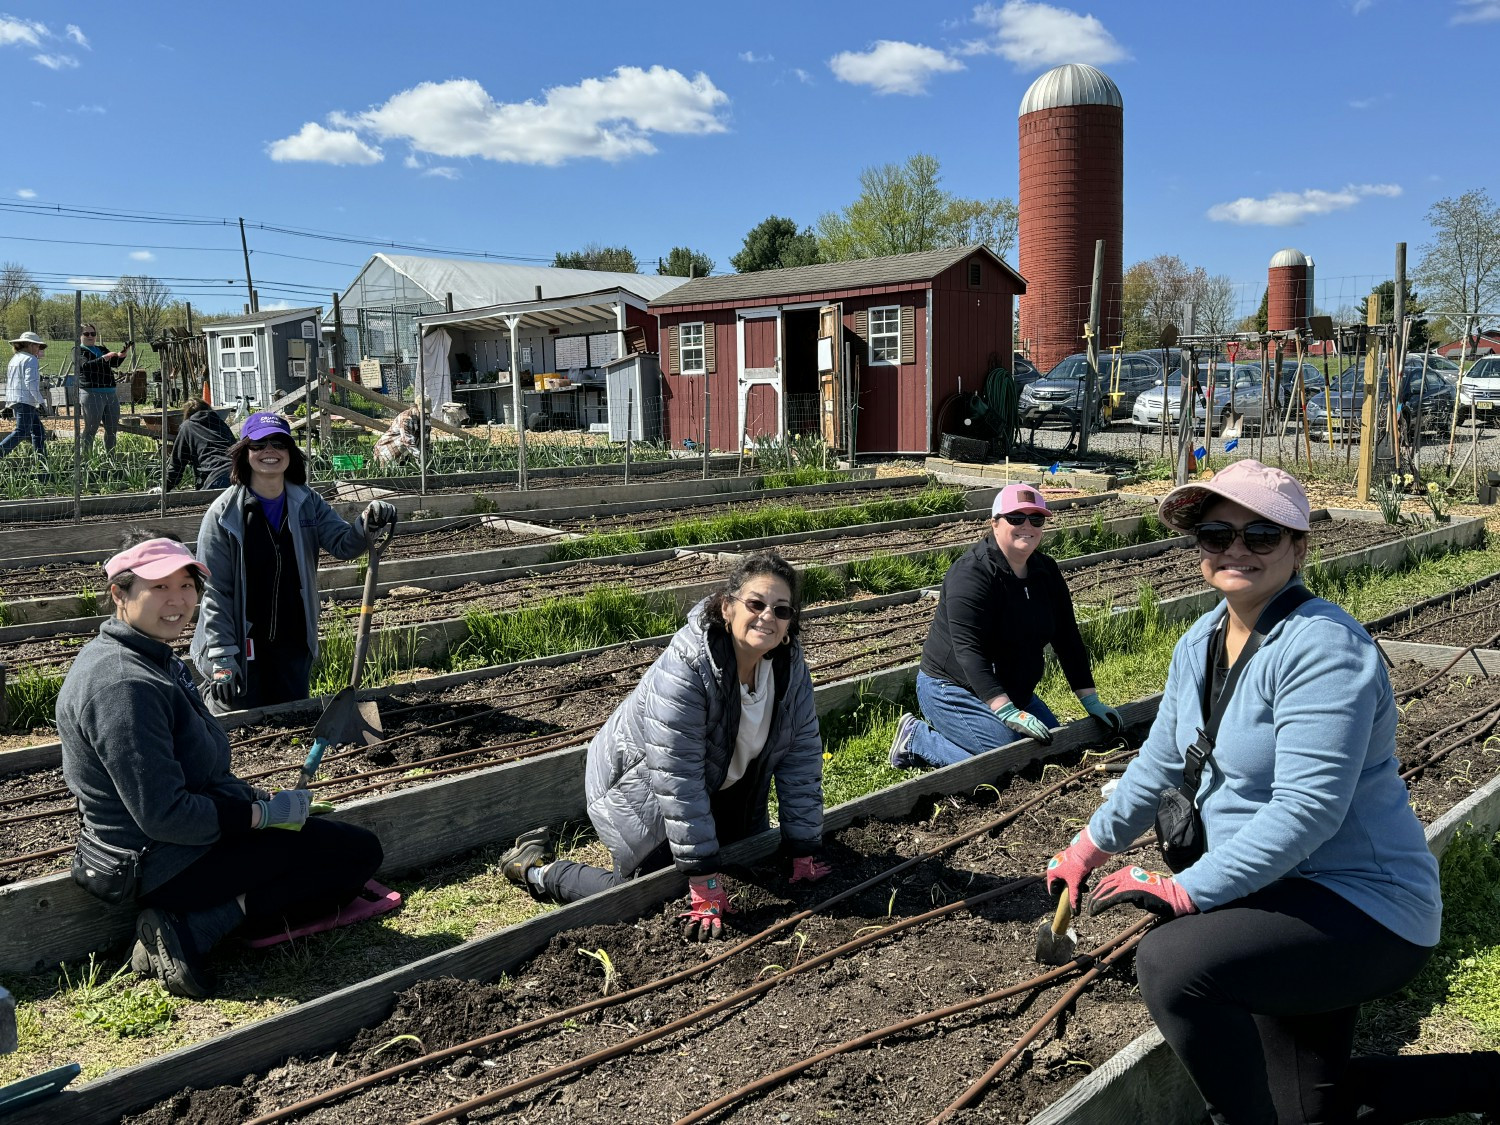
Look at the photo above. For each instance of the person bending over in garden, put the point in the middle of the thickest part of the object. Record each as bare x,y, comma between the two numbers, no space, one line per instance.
685,763
1001,604
402,441
202,444
23,394
164,821
257,634
1316,892
101,400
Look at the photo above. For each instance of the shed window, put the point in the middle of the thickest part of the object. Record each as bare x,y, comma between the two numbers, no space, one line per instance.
226,343
885,334
976,278
247,341
694,361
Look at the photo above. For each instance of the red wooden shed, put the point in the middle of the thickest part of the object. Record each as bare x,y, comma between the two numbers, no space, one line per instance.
770,347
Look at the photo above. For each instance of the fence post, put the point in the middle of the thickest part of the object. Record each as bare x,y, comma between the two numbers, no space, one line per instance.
629,428
77,405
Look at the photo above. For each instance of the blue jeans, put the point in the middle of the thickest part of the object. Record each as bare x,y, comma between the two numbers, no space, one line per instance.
28,425
962,724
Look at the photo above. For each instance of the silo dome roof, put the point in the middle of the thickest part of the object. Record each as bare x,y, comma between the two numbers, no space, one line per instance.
1071,84
1288,257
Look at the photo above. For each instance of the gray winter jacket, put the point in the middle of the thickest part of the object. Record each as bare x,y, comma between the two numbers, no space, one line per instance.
655,766
146,760
223,623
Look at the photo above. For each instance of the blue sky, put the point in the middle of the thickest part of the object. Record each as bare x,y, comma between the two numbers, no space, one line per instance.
522,129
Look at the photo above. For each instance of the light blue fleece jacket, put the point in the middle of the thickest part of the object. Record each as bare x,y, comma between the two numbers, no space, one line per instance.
1303,780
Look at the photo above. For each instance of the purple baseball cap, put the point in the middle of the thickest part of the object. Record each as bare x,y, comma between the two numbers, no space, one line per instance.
1270,493
262,425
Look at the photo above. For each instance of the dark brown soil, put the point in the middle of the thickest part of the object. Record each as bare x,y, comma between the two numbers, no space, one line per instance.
1471,618
807,501
1468,760
973,951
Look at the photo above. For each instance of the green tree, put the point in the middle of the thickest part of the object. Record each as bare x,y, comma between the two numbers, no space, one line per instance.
611,259
776,243
684,261
1385,309
1460,267
902,208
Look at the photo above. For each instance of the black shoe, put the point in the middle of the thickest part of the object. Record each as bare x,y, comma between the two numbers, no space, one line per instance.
170,956
532,849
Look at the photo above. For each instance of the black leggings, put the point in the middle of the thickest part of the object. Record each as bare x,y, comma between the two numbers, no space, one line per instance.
1259,999
292,876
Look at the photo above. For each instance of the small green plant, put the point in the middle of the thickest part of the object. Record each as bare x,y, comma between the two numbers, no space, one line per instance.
483,504
1388,495
117,1005
32,699
88,602
389,1043
605,963
1437,501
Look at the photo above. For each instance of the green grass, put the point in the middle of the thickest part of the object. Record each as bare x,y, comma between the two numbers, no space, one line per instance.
606,615
808,474
389,653
31,699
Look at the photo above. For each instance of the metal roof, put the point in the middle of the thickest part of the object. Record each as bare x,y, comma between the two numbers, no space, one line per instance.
265,316
859,274
1071,84
564,312
1288,257
483,284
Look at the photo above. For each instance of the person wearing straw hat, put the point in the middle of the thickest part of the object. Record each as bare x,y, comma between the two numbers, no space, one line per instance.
1312,890
1002,603
23,393
150,766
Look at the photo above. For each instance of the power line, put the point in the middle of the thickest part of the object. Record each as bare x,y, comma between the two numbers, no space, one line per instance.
158,246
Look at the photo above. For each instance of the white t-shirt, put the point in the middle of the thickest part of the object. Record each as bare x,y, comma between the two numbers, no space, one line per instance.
755,723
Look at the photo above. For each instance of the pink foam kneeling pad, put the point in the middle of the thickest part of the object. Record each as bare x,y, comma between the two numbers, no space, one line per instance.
372,902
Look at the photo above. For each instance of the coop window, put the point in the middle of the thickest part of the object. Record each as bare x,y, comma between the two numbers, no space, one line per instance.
247,341
975,277
226,343
694,361
885,334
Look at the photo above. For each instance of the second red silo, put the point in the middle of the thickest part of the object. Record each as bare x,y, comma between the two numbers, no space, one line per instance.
1287,291
1072,158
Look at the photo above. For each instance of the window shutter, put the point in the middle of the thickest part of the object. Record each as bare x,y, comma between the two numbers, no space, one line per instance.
862,325
672,366
708,347
908,334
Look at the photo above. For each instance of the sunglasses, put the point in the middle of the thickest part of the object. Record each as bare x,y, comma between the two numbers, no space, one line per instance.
88,335
269,443
1261,537
1016,519
757,607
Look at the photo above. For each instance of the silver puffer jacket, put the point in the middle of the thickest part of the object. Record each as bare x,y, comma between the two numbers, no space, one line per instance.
654,768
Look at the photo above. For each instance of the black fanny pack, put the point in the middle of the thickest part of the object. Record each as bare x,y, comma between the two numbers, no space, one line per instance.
105,871
1179,825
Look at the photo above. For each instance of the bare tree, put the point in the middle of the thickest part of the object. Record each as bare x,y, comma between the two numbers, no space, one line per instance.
1214,305
149,299
15,281
1460,267
1160,291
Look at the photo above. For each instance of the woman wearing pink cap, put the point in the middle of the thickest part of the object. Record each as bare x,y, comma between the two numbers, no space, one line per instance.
164,821
1002,603
1314,890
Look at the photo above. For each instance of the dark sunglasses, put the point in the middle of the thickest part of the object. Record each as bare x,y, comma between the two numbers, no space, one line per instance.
757,607
88,335
270,443
1016,519
1261,537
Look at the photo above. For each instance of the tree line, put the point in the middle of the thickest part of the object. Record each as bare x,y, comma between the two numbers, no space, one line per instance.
24,307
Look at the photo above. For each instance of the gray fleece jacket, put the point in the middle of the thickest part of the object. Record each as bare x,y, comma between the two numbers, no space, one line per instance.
147,761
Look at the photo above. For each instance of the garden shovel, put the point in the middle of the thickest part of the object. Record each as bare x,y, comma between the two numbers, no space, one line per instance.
346,718
1054,940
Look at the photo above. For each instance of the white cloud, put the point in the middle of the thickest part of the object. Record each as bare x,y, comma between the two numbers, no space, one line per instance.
893,67
28,33
315,144
1034,36
1363,103
1476,11
89,109
1360,7
443,172
802,76
92,284
56,62
752,57
1286,208
142,256
25,193
75,33
609,118
411,162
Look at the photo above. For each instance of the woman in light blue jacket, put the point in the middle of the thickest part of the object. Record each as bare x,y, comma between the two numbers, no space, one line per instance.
685,763
1317,892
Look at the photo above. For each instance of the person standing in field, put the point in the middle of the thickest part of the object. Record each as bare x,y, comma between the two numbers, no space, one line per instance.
23,394
96,379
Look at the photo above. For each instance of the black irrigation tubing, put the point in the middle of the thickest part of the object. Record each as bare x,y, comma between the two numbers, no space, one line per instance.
1108,951
1491,714
684,974
1488,642
50,853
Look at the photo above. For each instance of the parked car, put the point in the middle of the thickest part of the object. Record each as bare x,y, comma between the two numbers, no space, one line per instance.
1427,401
1479,393
1058,395
1023,370
1236,388
1312,378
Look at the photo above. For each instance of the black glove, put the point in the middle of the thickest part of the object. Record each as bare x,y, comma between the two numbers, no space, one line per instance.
379,513
226,685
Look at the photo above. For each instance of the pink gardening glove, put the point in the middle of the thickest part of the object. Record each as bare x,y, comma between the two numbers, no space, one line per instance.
808,869
1072,865
1150,890
707,903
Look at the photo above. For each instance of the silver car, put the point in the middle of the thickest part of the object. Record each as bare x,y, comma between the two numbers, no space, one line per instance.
1237,387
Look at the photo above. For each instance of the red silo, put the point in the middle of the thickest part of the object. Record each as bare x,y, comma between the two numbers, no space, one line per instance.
1072,194
1287,291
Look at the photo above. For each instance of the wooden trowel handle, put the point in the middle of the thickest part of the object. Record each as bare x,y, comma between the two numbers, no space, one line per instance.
1064,915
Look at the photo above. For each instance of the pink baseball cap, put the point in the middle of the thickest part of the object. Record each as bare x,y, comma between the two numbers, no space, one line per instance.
153,559
1270,493
1018,498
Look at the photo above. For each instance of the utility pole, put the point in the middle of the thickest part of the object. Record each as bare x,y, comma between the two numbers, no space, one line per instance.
1367,408
249,284
1091,334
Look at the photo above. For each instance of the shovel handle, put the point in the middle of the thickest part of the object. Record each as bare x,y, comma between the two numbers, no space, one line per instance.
1064,914
309,768
377,541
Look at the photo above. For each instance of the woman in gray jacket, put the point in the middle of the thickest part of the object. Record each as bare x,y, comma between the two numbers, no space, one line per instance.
684,765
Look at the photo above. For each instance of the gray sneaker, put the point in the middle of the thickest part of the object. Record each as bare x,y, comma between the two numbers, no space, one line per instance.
900,758
169,954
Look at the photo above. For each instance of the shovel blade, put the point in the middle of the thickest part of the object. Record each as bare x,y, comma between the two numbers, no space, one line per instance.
346,719
1053,948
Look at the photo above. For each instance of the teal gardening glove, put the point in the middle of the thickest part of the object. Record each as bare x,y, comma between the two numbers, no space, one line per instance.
1103,712
1023,722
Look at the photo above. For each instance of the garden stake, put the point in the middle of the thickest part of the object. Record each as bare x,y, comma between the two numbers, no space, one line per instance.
1055,942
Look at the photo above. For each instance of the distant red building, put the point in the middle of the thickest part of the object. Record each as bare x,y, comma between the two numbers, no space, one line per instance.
1486,343
911,326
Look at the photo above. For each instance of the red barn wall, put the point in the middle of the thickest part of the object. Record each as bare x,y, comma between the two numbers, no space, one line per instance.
971,330
1286,298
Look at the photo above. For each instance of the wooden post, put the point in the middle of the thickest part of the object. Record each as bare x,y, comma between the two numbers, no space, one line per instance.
705,425
1302,400
1091,334
1367,408
249,285
629,427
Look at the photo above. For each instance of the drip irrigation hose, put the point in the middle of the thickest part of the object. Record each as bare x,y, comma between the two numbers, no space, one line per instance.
1493,714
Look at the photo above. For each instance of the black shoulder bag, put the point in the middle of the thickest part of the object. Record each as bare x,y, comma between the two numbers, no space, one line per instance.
107,872
1179,826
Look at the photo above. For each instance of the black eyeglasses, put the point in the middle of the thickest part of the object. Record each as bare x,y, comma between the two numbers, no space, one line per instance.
1016,519
269,443
1261,537
757,607
88,335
